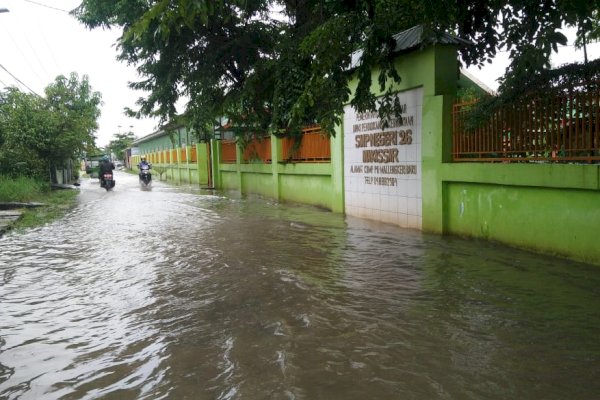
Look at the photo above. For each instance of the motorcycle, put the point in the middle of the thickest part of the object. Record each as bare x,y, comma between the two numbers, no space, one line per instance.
145,175
107,181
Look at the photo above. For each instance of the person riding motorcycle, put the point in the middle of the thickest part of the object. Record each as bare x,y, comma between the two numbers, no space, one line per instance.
106,167
143,165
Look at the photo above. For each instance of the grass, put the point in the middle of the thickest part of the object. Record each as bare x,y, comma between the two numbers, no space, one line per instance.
20,189
56,202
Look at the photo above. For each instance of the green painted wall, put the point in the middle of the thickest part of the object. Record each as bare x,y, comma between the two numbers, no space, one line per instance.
157,144
203,168
178,171
552,208
229,180
158,141
559,221
309,183
257,183
308,189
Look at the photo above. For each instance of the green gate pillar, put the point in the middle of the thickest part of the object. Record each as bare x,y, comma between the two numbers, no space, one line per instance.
337,170
239,154
437,136
275,157
215,160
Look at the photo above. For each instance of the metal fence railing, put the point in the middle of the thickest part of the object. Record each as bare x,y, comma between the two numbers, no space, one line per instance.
258,149
561,128
228,151
314,146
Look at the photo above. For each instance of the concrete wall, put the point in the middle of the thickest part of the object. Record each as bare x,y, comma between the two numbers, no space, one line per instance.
308,183
179,171
552,208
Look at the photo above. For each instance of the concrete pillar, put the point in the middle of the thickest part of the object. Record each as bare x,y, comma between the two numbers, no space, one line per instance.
275,158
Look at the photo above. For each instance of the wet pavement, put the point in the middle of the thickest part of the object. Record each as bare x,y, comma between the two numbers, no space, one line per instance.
178,293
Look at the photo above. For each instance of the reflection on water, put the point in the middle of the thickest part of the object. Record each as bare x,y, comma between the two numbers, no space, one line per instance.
175,293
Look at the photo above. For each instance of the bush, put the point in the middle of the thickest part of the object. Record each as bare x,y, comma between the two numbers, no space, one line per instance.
21,189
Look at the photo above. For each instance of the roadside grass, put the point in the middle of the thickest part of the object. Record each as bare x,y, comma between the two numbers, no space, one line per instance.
56,202
19,189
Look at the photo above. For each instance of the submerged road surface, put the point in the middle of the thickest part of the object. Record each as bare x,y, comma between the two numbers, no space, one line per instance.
175,293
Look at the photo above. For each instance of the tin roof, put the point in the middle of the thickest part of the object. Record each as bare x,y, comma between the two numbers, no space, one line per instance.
413,38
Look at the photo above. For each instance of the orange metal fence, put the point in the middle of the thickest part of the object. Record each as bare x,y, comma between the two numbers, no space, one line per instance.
228,151
171,156
258,149
553,129
314,146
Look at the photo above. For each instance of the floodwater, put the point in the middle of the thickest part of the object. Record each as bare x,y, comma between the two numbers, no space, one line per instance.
176,293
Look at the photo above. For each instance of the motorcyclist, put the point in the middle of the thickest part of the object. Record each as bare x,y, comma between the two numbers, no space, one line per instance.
106,167
144,164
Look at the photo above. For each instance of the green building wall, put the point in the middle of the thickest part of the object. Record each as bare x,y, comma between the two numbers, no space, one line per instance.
551,208
307,183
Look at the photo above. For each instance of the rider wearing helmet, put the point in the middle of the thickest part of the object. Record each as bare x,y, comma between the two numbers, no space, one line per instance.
144,165
106,167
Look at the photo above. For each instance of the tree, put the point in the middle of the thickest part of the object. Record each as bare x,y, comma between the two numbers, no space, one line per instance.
588,29
22,118
37,132
276,71
120,143
75,110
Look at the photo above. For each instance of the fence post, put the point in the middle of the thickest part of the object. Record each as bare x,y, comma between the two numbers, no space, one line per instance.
337,169
178,154
204,163
275,156
239,155
215,161
197,166
187,164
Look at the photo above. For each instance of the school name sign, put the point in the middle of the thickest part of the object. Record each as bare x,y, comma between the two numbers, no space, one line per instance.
382,166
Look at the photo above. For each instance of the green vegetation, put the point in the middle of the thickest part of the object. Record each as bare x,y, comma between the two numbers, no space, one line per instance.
120,143
39,132
58,202
22,189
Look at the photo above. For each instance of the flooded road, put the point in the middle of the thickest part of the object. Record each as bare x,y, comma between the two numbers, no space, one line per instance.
174,293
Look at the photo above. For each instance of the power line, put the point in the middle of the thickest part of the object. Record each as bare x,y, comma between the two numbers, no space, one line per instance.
20,50
47,6
25,36
18,80
48,48
36,54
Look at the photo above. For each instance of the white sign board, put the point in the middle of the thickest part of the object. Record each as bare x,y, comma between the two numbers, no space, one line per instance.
382,167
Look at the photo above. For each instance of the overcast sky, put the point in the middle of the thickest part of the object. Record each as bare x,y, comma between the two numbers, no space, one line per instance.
38,43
